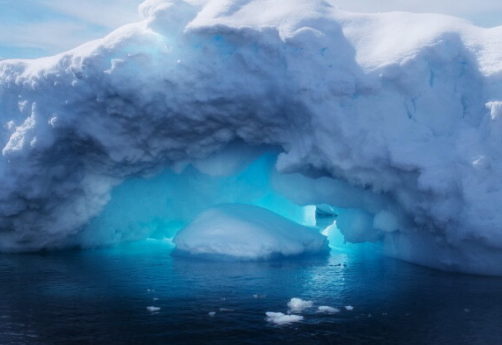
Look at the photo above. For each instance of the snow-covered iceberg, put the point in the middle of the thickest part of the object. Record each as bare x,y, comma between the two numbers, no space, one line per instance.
246,232
393,119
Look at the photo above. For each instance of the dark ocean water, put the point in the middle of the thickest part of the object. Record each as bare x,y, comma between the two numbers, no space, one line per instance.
100,297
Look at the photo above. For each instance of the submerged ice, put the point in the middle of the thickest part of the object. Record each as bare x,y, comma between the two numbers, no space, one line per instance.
391,120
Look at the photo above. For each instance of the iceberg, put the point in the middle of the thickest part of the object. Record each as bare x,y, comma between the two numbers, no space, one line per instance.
392,119
246,232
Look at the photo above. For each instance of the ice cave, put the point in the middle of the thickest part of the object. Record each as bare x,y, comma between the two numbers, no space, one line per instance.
298,110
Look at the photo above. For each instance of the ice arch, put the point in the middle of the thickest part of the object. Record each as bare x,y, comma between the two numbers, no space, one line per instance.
394,118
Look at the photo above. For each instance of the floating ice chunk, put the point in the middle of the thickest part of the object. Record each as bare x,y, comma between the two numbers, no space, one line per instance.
256,296
282,319
152,309
328,310
246,232
155,299
297,304
212,313
349,307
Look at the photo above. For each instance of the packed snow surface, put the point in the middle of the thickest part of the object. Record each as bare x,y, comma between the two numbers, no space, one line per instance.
393,119
247,232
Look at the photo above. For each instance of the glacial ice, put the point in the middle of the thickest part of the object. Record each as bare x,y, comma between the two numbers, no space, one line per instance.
247,232
392,119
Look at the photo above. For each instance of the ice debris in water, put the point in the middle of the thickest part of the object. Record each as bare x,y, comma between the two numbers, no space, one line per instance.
256,296
349,307
152,309
328,310
281,318
226,309
212,313
297,305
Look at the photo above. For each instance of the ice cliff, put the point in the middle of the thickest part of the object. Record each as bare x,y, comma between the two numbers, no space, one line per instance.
394,119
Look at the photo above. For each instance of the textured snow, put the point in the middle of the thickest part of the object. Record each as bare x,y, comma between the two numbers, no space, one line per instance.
246,232
393,119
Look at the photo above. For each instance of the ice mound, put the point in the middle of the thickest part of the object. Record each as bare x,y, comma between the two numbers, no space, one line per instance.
282,319
392,119
328,310
349,307
246,232
297,305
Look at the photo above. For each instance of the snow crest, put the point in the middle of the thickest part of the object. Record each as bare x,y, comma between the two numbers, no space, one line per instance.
394,119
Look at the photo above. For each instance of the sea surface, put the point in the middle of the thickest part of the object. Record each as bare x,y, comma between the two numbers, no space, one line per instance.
100,297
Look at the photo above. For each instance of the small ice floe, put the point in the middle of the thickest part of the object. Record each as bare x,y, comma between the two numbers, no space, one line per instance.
211,313
297,304
282,319
155,299
327,310
259,296
349,307
152,309
226,310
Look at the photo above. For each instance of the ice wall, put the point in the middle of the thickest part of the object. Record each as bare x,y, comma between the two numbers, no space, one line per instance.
393,118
